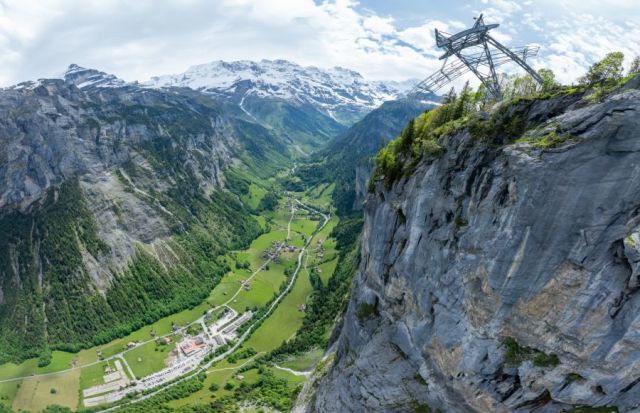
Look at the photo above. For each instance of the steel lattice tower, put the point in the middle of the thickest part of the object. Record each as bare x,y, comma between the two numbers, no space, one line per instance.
479,53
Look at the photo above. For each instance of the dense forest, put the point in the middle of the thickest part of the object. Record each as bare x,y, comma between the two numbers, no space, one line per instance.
48,244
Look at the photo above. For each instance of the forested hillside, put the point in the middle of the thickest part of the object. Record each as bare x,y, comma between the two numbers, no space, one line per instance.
122,214
347,159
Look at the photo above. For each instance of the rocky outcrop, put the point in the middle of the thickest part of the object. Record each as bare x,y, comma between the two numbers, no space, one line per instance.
52,131
502,278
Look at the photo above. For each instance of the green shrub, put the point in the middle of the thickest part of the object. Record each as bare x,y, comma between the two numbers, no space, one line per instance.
571,377
367,310
431,148
54,408
516,354
45,358
420,379
418,407
546,360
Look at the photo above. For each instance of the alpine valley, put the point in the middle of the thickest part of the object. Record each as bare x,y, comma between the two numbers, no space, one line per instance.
136,215
267,237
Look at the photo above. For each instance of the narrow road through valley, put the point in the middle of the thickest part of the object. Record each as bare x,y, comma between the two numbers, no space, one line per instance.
205,367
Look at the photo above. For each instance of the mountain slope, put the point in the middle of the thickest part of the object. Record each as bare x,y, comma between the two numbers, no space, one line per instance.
348,156
305,105
113,209
500,274
339,93
347,159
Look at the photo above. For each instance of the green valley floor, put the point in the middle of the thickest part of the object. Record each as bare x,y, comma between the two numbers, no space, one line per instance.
221,344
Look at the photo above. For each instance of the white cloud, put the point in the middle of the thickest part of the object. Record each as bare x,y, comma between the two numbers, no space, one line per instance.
500,10
581,39
138,39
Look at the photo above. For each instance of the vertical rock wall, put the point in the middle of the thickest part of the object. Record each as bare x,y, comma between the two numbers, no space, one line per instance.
486,245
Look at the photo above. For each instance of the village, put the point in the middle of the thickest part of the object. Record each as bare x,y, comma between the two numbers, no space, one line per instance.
180,347
273,252
216,328
187,355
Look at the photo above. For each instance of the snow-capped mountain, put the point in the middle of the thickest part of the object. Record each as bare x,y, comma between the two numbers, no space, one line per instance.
83,77
304,106
342,94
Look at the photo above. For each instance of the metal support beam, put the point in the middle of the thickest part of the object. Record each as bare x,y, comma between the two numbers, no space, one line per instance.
516,59
472,48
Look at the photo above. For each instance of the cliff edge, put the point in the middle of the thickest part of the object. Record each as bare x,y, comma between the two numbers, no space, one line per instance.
502,274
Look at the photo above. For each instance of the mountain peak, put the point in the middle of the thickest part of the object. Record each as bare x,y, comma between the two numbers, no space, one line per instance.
74,68
333,92
84,77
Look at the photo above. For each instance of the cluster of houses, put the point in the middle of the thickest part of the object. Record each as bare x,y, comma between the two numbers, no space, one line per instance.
224,329
319,250
185,357
273,252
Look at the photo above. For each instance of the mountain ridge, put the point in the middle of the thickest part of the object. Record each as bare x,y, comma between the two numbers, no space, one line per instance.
122,211
339,93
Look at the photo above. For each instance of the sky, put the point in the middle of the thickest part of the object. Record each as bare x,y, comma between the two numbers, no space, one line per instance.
381,39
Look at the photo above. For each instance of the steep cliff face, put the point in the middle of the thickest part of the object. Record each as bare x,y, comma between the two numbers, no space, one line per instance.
502,277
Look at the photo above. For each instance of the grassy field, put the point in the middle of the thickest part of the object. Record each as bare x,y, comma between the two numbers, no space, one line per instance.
318,197
304,226
218,375
8,391
92,375
303,362
285,320
254,196
327,270
60,360
263,285
262,221
38,392
149,358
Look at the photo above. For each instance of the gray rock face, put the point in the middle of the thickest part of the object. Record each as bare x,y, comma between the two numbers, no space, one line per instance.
486,243
98,176
52,131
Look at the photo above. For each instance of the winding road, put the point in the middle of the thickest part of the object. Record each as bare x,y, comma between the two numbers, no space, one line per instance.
205,367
